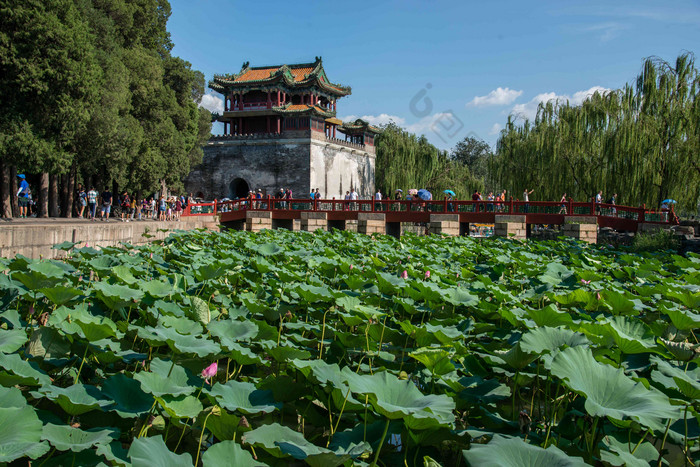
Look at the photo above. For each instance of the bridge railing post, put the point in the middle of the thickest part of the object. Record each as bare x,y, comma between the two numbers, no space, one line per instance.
642,211
571,206
512,206
215,203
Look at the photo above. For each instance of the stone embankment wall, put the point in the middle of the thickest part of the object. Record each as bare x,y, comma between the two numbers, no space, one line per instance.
35,238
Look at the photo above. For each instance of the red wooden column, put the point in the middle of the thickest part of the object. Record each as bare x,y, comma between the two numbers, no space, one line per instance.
268,123
278,98
279,129
240,102
240,125
269,106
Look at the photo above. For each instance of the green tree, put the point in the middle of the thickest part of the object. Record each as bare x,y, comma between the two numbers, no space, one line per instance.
406,161
640,141
477,155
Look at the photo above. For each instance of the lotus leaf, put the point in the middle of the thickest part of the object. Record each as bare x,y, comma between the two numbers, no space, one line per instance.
165,378
609,392
129,400
116,296
548,339
228,453
20,428
12,340
514,452
76,399
64,437
243,397
183,406
61,295
14,370
152,452
396,399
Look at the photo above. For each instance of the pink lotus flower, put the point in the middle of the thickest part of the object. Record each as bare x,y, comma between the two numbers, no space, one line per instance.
151,256
427,274
352,267
585,282
404,274
87,245
597,295
31,310
210,371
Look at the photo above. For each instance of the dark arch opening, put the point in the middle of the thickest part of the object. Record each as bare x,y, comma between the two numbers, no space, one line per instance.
238,188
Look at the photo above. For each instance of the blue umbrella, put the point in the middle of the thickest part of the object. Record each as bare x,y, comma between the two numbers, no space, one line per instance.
424,194
450,192
668,201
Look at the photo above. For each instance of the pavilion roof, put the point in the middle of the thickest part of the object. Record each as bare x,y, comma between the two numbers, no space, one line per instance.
358,126
300,75
304,109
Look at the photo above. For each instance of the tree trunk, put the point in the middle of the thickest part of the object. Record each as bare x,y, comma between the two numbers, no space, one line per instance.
53,195
43,204
13,191
5,191
71,200
64,208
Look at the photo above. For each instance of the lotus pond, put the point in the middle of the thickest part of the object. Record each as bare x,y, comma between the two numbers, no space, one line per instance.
333,349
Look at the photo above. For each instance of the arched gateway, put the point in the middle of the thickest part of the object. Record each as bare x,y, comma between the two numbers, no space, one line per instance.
238,188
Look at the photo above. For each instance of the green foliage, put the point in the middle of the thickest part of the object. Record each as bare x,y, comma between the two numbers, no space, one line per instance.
658,241
509,353
406,161
92,84
641,142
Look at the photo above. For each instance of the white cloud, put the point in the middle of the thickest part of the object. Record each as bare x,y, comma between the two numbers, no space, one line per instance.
212,103
495,129
376,120
529,109
499,96
437,122
607,31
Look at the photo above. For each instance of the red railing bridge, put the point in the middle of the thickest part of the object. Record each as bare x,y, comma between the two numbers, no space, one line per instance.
617,217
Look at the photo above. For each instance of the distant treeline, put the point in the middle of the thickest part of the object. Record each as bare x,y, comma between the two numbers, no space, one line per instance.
91,94
406,161
641,142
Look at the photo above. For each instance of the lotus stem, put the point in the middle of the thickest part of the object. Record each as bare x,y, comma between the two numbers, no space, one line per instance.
333,430
82,362
663,443
640,441
201,435
381,442
181,435
323,334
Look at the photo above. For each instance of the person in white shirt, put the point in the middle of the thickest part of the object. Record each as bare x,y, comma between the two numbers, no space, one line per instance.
526,198
378,195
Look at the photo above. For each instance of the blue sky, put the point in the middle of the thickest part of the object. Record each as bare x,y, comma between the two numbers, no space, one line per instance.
446,69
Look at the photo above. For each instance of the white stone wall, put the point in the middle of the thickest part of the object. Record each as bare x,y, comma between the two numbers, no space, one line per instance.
335,169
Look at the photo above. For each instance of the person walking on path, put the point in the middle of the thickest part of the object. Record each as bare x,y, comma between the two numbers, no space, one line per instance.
598,201
106,205
92,203
125,203
23,196
82,200
562,210
613,201
526,198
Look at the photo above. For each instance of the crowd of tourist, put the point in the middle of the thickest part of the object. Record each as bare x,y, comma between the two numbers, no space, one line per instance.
94,206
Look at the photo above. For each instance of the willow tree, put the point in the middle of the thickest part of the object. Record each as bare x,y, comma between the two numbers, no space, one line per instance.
640,142
406,161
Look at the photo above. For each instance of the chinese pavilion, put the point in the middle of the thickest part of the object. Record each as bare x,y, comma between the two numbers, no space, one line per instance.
281,131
